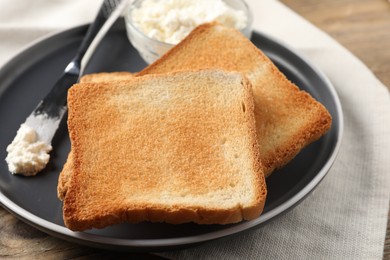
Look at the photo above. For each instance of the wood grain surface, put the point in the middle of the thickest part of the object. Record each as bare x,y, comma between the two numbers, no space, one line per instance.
362,26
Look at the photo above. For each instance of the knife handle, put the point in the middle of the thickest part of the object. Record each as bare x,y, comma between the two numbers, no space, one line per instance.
54,103
104,13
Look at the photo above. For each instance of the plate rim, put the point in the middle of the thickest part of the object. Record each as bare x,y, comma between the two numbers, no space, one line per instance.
164,243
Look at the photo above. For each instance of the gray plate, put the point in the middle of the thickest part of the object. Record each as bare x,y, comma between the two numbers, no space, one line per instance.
29,76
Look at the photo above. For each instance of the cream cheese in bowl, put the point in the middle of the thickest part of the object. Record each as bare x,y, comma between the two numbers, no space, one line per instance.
171,20
154,26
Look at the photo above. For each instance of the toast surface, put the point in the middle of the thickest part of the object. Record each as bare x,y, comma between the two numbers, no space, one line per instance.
177,148
287,119
63,178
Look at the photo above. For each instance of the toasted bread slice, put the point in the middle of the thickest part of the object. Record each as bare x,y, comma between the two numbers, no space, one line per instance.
176,148
64,176
287,119
106,76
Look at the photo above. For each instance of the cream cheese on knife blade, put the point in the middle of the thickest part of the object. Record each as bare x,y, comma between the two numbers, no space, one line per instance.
26,154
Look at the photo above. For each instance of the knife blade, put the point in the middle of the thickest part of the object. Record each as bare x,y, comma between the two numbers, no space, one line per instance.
28,153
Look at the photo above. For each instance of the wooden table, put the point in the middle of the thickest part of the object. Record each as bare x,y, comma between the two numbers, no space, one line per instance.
362,26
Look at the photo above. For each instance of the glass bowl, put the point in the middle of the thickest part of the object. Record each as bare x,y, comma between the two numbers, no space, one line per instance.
151,49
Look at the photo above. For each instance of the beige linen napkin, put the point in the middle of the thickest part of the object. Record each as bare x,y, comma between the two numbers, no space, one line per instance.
345,217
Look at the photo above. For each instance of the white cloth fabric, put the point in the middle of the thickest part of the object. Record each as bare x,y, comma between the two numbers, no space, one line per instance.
345,217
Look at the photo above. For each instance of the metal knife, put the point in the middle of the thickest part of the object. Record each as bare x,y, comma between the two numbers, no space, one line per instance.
47,116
